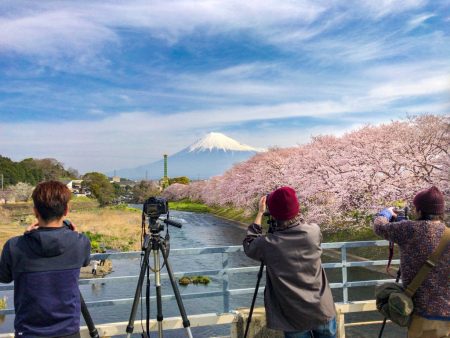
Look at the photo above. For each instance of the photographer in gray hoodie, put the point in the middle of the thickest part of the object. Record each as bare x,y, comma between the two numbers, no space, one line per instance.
297,297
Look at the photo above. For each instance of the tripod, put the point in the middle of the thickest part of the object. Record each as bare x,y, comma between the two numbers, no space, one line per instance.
250,314
272,225
153,242
88,319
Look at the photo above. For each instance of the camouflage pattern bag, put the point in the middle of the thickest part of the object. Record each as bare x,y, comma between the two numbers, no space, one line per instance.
394,304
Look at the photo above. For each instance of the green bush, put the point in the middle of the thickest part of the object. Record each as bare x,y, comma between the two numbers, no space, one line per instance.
194,280
3,303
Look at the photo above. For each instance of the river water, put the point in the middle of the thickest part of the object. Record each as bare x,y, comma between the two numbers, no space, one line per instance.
204,230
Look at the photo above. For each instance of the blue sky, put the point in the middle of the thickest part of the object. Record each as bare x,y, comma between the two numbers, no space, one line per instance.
103,85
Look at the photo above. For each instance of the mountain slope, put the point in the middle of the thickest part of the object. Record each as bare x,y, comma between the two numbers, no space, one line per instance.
210,156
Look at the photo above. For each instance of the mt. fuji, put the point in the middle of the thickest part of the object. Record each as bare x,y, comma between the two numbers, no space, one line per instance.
210,156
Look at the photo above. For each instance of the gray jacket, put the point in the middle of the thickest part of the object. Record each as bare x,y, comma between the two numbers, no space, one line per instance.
297,295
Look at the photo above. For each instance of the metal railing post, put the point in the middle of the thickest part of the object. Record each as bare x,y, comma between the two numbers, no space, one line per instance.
340,323
344,274
225,283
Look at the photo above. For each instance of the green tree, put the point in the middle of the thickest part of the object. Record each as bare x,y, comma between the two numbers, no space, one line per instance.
100,187
53,169
33,171
181,180
145,189
119,190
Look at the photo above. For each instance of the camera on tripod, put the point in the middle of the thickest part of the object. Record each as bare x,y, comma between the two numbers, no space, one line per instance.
155,207
152,209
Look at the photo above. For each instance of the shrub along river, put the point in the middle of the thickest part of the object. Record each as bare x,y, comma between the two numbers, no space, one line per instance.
205,230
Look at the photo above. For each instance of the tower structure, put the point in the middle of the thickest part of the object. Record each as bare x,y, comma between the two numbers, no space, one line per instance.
165,166
165,179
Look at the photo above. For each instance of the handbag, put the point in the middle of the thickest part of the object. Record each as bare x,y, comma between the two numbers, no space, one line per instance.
394,301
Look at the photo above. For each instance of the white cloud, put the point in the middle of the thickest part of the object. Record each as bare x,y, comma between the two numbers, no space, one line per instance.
419,20
52,33
49,28
420,87
381,8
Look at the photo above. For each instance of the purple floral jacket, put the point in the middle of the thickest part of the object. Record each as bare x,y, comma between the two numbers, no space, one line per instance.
417,241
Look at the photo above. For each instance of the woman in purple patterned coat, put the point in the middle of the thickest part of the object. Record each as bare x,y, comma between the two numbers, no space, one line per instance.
417,241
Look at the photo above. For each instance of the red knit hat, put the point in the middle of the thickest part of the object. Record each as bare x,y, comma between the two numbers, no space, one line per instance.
283,204
430,201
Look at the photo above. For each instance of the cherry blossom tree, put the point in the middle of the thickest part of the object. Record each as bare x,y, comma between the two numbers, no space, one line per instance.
338,179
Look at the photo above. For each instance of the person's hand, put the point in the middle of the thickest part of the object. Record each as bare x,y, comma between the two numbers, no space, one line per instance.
71,225
74,227
392,211
389,213
262,205
32,227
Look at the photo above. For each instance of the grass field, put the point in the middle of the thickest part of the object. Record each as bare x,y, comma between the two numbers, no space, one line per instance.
112,228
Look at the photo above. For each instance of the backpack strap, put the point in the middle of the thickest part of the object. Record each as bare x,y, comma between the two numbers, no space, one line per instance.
429,264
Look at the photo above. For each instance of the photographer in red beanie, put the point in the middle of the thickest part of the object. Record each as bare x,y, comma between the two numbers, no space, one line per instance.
297,298
417,241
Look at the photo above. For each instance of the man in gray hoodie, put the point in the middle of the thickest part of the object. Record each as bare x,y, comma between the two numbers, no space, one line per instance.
297,297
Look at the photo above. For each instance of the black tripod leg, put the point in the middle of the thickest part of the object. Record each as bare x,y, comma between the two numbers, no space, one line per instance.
186,323
137,294
88,319
382,327
250,314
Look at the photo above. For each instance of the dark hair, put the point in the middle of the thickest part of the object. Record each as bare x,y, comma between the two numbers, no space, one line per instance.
430,217
50,199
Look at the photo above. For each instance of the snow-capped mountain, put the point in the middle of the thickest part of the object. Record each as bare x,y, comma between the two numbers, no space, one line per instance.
218,141
210,156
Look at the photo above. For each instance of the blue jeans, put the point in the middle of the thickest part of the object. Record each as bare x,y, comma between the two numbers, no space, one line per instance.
326,330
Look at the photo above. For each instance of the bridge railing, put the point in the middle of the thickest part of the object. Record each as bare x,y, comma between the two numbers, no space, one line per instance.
225,271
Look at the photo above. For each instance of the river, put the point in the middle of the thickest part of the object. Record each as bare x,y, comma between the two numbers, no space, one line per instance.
201,230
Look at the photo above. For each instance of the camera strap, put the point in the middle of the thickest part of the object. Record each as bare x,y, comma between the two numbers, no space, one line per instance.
391,255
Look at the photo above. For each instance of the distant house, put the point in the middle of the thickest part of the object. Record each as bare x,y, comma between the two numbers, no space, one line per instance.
76,188
122,182
115,179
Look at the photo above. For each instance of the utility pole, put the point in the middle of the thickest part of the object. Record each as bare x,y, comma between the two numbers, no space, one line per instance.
2,181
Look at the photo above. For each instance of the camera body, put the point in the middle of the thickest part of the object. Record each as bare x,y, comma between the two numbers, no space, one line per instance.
155,207
402,214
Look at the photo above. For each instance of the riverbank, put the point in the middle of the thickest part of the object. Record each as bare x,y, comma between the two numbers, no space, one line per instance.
240,216
232,214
